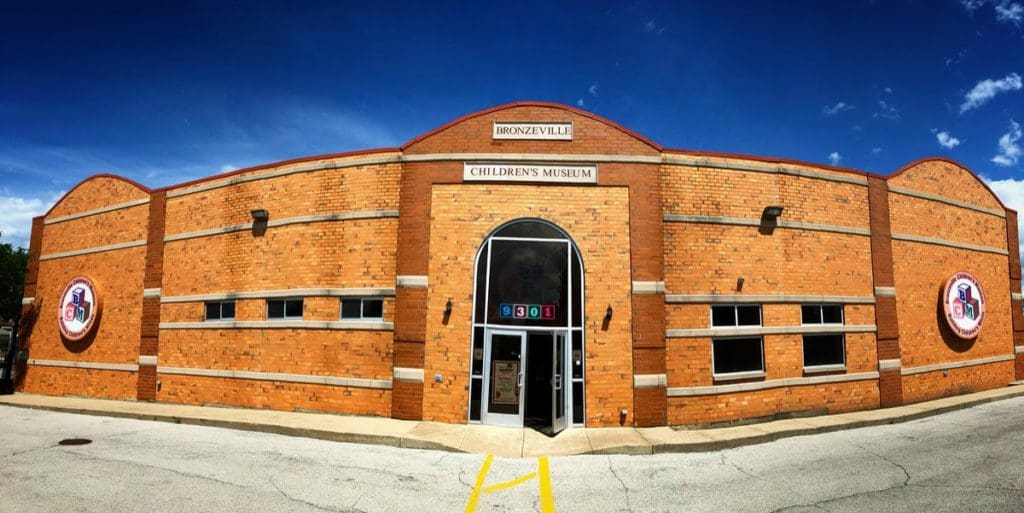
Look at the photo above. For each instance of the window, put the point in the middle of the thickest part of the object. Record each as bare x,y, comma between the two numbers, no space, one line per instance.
356,309
735,315
220,310
823,352
737,358
284,309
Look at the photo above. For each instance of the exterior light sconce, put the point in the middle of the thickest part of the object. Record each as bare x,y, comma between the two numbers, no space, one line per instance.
770,219
739,284
447,314
260,216
608,313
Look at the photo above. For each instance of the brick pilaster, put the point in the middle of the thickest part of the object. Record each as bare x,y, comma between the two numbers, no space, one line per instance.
30,313
149,334
887,337
1013,246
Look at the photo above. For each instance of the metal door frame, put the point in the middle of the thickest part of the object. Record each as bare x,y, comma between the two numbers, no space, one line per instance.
503,419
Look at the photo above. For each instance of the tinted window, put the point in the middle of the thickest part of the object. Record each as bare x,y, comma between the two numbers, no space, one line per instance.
824,350
227,310
810,314
212,311
737,355
748,315
373,308
832,314
530,230
350,308
529,283
275,308
723,315
293,308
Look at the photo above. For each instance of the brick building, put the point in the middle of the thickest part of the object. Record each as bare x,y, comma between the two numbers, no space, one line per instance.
531,264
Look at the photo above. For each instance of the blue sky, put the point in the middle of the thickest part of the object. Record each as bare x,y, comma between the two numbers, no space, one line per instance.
167,92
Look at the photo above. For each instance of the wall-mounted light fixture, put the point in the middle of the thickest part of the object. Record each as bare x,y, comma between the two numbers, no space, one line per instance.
772,211
260,215
608,313
770,219
739,284
448,308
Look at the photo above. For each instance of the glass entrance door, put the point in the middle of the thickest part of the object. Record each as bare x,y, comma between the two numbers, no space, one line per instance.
558,388
504,370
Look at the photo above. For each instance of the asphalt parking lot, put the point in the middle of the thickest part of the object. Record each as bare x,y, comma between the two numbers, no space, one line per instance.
968,460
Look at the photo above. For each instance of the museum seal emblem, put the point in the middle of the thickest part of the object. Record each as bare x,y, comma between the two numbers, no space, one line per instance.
79,308
963,304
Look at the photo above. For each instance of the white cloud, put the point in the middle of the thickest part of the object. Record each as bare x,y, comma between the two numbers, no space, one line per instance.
835,158
1010,12
1009,150
876,150
972,5
947,141
888,90
653,27
1011,192
950,61
832,110
592,90
16,215
227,168
987,89
887,111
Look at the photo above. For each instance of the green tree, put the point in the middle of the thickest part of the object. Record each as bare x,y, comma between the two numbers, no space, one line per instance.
13,265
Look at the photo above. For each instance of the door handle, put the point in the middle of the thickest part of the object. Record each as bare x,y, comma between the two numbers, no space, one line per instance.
556,382
519,381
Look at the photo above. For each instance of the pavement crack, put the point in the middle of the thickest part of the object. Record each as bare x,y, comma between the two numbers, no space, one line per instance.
157,467
311,504
625,489
906,473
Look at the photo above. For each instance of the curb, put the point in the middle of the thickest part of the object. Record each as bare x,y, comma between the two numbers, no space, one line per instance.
655,447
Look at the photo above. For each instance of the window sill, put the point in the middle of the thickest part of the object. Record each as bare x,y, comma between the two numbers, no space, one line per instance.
820,369
733,376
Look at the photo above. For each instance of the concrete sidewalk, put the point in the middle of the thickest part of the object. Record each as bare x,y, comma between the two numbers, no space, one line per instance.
508,442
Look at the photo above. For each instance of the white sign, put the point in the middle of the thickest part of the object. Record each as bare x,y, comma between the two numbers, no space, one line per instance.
552,173
555,131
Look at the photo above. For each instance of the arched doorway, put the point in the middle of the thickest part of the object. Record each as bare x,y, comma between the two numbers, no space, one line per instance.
527,341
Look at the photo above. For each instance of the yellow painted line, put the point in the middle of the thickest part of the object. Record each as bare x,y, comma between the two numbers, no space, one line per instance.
480,478
547,499
510,484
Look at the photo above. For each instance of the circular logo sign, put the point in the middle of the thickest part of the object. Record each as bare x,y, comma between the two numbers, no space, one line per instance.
79,308
963,303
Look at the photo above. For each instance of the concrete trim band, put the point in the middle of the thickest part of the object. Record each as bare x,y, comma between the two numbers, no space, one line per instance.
382,384
285,293
151,292
956,365
1016,296
96,211
25,301
888,365
742,221
650,380
97,249
885,291
1018,349
285,324
765,385
411,281
948,201
149,360
779,298
676,160
125,367
948,243
648,287
391,159
768,330
408,375
339,216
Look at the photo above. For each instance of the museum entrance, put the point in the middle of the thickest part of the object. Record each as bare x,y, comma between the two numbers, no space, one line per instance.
525,379
527,354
